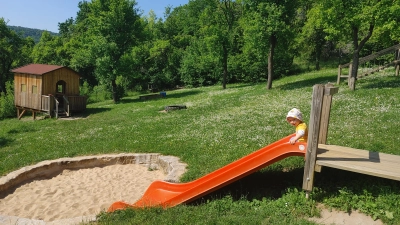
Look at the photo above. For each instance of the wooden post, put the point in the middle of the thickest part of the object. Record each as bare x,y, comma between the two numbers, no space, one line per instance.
20,114
339,75
348,79
329,91
312,141
352,83
318,130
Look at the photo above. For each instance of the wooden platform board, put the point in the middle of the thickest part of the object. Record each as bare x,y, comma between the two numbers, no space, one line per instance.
360,161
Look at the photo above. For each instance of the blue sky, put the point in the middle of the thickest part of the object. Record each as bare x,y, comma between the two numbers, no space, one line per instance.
46,14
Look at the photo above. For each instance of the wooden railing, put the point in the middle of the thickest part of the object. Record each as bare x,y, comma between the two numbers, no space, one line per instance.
66,106
50,104
57,103
77,103
369,58
46,99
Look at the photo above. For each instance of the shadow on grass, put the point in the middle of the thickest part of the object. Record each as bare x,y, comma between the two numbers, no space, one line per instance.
91,111
273,185
332,180
5,141
130,100
240,86
169,95
258,185
308,82
388,82
22,129
183,94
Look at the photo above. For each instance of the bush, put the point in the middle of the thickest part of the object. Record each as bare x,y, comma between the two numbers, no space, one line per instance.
7,107
99,93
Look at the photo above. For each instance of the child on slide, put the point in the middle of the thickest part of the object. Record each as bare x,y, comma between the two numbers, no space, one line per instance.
295,118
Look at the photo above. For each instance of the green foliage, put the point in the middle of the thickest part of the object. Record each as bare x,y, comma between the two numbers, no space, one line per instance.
113,28
85,89
99,93
7,107
45,52
14,51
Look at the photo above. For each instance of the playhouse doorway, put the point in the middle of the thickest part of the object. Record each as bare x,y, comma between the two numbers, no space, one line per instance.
60,92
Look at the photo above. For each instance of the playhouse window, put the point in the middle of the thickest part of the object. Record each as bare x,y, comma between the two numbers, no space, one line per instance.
60,88
23,87
34,89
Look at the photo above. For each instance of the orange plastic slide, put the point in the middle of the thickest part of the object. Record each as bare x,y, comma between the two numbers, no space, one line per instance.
165,194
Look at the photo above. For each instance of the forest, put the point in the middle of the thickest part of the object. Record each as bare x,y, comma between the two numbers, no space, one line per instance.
204,42
25,32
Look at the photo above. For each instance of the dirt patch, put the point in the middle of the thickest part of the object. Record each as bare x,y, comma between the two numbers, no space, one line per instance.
335,217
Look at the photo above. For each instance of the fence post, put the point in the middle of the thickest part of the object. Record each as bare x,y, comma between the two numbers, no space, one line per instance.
350,75
339,74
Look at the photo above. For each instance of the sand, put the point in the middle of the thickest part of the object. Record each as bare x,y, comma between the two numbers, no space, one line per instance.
79,193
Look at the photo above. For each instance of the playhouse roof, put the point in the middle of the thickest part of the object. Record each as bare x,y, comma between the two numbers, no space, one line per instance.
36,69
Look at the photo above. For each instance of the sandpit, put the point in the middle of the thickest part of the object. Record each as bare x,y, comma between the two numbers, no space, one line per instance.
74,190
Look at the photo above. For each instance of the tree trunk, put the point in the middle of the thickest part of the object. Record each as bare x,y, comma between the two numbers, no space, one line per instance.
114,91
225,65
356,55
272,44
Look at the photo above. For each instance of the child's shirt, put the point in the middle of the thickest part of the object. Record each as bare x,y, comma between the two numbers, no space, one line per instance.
302,129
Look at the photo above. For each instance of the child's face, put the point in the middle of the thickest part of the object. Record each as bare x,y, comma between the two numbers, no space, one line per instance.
293,121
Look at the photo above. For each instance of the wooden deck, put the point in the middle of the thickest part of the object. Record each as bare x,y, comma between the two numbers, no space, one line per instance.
360,161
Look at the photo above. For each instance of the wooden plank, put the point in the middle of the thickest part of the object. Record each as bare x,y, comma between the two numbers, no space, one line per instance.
359,161
313,134
21,114
325,113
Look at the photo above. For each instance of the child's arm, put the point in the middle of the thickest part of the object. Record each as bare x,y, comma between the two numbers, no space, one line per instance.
299,134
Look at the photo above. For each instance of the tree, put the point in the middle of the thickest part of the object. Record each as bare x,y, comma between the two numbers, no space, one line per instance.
44,51
113,27
225,18
311,38
387,33
211,42
265,23
350,21
14,51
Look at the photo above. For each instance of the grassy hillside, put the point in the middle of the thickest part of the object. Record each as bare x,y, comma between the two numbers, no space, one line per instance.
36,34
220,126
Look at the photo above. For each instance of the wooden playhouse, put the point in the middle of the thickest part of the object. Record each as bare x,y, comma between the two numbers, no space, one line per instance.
49,89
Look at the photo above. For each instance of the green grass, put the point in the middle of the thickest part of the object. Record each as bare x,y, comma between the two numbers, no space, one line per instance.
220,126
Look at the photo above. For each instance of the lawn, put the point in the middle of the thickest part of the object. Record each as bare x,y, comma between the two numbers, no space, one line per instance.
220,126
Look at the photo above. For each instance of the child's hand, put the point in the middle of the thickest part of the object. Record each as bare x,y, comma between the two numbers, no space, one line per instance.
292,140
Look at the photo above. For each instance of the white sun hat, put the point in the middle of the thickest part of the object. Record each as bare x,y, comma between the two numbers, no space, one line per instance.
295,113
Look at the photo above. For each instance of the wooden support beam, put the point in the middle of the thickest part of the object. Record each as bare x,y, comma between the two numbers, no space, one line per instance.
318,130
20,114
329,91
313,133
